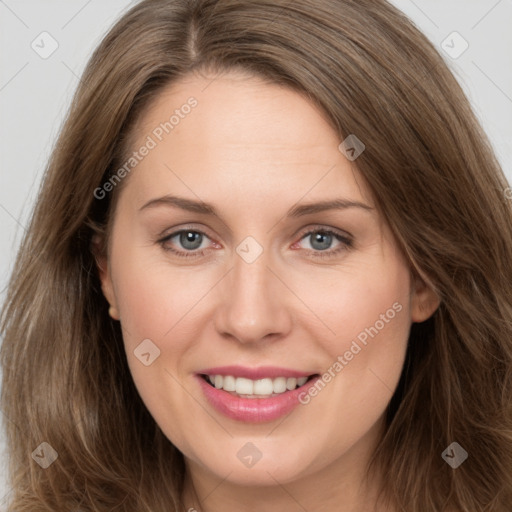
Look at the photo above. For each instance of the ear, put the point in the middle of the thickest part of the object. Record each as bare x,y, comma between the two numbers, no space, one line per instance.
424,301
100,255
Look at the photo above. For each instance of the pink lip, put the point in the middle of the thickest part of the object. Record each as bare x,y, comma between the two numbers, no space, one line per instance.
261,372
254,410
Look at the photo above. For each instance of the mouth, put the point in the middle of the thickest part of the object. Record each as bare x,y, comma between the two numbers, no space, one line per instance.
266,387
254,394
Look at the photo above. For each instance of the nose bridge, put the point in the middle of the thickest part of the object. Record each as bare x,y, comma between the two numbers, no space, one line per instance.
253,300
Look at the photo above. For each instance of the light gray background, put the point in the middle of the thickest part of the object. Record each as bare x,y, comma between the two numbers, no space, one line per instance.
35,92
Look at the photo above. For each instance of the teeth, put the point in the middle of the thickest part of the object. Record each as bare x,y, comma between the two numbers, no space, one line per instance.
256,388
302,381
229,383
243,386
291,383
262,387
279,385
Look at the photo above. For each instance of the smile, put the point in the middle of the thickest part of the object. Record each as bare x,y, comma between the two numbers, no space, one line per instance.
258,395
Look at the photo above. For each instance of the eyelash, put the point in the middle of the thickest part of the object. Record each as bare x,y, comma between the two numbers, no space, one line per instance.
346,241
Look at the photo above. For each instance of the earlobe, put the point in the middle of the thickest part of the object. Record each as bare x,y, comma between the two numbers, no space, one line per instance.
424,301
104,275
112,311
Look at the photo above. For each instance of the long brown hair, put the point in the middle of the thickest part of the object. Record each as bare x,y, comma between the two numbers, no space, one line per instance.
437,182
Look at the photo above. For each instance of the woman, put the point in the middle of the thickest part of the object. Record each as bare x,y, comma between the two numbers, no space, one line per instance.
341,336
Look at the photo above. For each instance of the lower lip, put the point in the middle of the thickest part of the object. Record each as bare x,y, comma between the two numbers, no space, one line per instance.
254,410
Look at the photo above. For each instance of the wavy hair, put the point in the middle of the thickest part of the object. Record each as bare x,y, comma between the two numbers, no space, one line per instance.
437,183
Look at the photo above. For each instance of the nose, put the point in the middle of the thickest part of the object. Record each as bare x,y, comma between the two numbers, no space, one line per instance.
254,304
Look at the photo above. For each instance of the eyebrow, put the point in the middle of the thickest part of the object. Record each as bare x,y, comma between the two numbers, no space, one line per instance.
295,211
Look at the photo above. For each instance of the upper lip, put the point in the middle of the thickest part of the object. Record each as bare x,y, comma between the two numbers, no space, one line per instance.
260,372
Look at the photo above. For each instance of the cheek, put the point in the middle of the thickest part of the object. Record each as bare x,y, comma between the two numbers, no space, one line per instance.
376,315
362,302
155,300
158,305
366,309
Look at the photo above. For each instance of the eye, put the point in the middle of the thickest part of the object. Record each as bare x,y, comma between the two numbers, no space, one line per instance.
321,239
190,239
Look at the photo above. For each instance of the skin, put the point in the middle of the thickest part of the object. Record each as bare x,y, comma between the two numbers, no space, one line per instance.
254,150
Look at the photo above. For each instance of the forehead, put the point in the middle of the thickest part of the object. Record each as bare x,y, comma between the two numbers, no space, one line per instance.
234,108
241,133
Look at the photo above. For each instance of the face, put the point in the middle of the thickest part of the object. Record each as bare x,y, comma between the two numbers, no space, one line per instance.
257,290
